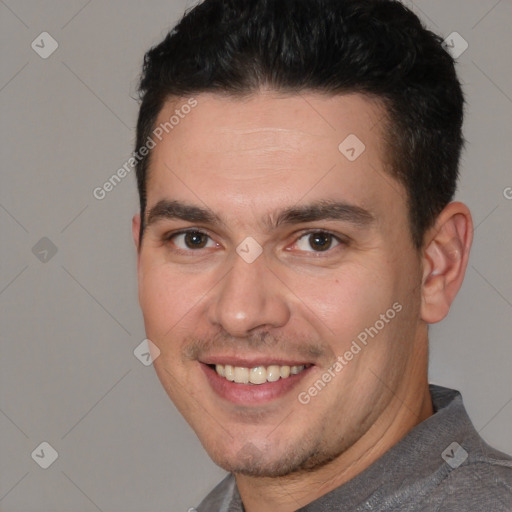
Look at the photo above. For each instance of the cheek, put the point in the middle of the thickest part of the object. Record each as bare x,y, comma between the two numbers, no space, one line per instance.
168,299
345,303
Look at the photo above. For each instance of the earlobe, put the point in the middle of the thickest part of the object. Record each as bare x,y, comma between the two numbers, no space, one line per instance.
445,259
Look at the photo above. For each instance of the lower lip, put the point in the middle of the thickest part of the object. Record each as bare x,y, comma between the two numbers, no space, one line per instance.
251,394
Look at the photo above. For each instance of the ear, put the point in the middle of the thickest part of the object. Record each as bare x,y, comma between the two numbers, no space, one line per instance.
445,259
136,231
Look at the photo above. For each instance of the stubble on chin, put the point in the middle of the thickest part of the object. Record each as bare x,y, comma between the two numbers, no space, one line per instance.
275,461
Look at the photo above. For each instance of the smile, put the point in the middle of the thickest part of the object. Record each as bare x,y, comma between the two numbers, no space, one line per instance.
253,382
257,375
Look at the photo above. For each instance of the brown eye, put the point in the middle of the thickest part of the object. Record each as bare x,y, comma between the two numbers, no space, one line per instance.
318,241
190,240
195,240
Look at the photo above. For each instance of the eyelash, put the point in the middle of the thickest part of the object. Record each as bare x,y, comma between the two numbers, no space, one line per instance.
341,241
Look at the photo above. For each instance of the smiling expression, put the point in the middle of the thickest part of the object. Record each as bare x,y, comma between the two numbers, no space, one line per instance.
266,253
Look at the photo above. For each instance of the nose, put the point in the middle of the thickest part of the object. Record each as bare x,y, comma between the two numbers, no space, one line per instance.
250,297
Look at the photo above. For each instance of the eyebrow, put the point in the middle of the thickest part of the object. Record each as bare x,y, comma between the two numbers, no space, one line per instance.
325,210
168,210
321,210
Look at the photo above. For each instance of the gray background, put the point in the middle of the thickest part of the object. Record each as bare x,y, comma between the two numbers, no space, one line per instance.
70,324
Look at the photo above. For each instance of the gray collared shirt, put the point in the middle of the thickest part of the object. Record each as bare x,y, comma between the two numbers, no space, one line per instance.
441,465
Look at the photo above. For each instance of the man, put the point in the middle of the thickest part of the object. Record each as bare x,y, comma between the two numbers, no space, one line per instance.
298,159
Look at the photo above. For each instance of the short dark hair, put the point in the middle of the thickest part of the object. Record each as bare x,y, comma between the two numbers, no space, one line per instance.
377,48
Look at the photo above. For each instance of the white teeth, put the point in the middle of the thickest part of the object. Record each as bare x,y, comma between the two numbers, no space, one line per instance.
241,375
220,370
273,373
258,374
228,371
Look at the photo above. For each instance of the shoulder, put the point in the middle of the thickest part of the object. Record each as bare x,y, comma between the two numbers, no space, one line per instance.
461,472
220,497
481,482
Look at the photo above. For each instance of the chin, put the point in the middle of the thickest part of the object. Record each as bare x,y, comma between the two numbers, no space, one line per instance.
252,461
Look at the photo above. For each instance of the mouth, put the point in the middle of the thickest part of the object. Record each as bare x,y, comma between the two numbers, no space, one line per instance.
257,375
254,383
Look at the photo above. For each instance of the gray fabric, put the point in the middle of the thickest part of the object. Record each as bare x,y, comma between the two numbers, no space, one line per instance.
413,475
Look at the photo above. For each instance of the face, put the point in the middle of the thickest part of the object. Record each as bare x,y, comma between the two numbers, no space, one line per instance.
278,279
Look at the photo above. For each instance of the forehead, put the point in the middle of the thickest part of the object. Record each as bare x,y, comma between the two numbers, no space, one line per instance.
269,149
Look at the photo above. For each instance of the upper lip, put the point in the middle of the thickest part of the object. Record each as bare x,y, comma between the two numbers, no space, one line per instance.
253,362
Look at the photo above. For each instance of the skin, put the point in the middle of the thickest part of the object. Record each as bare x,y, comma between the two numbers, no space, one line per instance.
246,160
